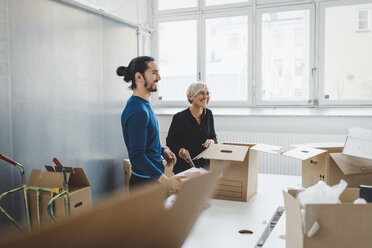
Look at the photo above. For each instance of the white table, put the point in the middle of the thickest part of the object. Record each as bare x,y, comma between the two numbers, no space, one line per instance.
219,225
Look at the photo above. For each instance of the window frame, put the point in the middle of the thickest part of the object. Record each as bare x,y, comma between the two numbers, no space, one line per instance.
157,12
321,34
220,14
225,6
201,62
155,96
281,2
258,95
254,7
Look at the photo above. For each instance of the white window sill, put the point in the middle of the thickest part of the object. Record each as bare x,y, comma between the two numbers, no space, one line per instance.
290,112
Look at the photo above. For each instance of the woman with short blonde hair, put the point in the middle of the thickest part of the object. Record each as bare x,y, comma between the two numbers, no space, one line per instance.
192,130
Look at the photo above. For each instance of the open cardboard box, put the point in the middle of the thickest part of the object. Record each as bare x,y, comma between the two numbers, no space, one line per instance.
79,192
328,225
239,181
137,219
326,162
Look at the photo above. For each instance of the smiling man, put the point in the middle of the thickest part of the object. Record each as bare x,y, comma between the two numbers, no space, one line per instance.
140,126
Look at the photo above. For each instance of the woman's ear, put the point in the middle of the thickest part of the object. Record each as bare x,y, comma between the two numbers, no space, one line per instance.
189,97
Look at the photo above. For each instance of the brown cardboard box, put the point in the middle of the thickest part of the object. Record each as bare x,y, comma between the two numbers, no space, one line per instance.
339,225
168,171
239,181
79,187
326,162
138,219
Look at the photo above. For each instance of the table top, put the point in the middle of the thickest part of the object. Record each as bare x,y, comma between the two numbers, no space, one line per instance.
219,224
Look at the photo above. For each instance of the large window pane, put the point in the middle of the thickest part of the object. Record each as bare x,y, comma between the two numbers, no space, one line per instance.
176,4
285,55
226,57
219,2
177,58
348,53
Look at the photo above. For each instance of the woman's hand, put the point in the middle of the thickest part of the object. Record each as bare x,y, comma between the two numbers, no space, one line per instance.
169,156
182,154
208,142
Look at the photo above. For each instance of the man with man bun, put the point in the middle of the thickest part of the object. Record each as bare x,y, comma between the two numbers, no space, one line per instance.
140,126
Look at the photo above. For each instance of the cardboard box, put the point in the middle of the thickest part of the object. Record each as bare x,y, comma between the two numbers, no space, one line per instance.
79,187
326,162
168,171
138,219
328,225
239,180
358,148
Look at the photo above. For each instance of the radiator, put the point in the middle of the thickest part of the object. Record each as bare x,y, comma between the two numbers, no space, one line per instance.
271,163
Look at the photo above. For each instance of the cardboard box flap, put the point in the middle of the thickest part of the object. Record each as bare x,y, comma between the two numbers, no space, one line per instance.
119,221
294,234
67,169
323,145
46,179
352,165
34,177
77,175
224,152
340,225
266,148
349,195
49,168
358,148
303,152
78,178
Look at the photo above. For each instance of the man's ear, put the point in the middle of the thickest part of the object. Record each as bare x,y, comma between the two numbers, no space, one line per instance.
138,76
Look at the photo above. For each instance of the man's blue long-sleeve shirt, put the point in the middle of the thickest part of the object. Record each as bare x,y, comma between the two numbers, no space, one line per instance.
141,136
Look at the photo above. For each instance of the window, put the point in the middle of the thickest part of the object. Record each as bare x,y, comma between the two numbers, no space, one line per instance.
177,45
226,48
265,52
347,65
363,21
278,79
173,4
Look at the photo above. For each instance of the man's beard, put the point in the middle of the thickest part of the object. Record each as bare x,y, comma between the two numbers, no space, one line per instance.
150,89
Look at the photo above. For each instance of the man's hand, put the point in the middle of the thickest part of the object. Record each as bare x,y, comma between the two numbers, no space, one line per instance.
169,156
208,142
172,183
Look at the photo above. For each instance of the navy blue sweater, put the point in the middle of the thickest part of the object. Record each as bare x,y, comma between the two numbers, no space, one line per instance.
141,136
